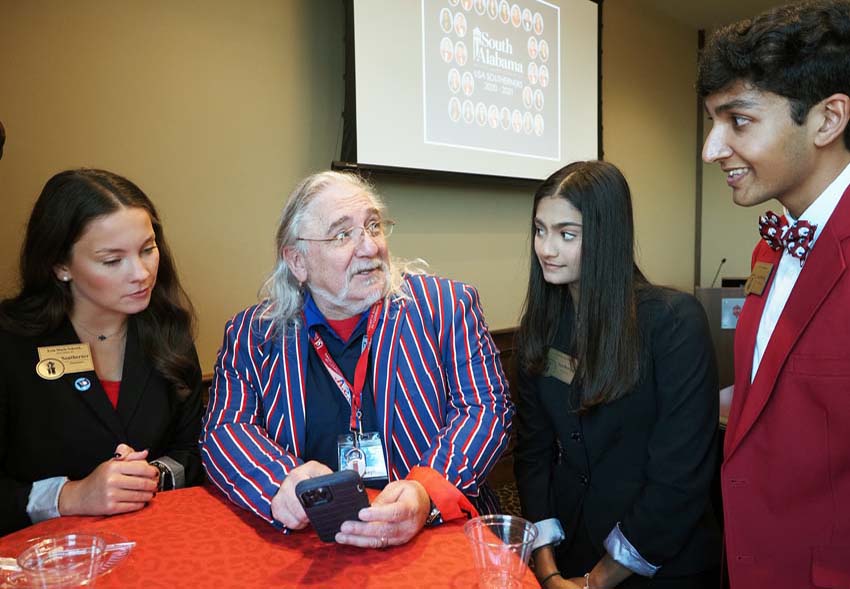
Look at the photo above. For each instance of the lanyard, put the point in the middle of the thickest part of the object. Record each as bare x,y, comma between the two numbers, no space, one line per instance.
352,394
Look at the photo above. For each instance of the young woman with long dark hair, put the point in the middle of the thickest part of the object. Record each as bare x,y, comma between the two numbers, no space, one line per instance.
100,386
618,404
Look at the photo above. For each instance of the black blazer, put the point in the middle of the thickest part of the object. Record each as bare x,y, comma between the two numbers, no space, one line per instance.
646,460
49,428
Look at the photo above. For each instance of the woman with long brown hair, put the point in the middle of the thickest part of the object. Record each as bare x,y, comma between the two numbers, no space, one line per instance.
100,386
617,412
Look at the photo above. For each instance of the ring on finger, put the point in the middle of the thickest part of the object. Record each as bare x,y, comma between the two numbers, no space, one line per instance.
384,542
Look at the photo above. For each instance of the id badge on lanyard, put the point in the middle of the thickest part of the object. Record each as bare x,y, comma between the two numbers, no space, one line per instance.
363,453
357,450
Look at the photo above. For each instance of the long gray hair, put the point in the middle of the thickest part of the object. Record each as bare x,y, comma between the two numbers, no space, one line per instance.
283,295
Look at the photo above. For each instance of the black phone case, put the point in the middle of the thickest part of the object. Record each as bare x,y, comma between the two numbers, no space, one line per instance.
347,497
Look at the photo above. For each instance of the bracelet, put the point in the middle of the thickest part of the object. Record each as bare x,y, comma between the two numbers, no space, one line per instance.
549,576
587,581
166,479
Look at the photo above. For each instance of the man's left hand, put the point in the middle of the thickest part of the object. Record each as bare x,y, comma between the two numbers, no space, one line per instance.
396,516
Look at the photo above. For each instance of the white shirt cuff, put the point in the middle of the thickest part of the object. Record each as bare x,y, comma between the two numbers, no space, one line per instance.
549,531
43,502
622,551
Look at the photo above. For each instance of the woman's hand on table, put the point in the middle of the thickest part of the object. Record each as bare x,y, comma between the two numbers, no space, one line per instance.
286,508
395,516
119,485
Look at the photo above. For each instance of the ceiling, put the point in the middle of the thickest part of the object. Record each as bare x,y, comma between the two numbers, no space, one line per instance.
709,14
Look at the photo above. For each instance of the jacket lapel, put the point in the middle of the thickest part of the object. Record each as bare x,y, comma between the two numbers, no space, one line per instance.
745,341
293,373
135,374
384,358
823,268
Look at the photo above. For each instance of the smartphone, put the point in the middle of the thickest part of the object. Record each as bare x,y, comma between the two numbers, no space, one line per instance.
332,499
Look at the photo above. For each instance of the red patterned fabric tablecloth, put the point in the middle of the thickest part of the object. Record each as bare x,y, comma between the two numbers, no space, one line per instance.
196,538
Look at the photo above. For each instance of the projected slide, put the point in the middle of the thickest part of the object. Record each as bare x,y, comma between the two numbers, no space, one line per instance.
491,76
496,87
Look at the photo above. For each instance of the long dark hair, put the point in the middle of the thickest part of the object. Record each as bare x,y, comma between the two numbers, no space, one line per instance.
605,338
68,203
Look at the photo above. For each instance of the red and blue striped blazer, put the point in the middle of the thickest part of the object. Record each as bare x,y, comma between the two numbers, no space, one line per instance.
442,397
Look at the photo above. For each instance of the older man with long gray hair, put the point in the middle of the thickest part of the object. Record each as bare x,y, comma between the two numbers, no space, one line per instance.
356,360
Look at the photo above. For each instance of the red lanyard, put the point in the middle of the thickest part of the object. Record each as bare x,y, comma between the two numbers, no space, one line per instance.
352,394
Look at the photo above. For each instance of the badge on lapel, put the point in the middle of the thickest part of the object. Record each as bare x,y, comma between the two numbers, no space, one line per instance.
758,278
560,365
56,361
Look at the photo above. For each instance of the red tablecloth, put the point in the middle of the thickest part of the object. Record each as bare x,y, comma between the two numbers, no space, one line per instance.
196,538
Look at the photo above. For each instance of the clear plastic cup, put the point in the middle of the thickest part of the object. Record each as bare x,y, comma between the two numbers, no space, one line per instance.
501,546
71,560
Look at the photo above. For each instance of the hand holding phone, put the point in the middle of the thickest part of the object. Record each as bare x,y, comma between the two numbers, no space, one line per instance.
331,499
286,508
396,516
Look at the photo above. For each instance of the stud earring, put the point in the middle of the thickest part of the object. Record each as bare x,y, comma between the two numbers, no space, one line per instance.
66,278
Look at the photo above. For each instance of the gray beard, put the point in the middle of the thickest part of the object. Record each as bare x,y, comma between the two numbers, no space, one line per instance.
339,300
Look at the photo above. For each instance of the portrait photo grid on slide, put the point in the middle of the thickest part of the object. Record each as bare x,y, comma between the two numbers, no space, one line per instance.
491,75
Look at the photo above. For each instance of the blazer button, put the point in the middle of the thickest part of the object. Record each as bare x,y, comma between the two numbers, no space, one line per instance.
584,479
577,437
559,452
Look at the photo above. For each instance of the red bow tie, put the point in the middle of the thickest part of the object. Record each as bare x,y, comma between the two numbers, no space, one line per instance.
797,240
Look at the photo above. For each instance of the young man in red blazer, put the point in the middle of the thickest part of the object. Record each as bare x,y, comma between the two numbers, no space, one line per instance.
776,88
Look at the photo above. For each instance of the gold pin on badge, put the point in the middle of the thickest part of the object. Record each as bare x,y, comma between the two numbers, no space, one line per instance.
50,369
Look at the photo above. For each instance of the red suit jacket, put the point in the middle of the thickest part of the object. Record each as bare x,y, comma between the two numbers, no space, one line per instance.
786,469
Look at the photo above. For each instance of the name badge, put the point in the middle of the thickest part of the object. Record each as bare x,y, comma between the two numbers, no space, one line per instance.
366,458
758,278
56,361
561,366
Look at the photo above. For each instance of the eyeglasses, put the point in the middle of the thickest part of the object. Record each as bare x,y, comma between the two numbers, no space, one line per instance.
375,230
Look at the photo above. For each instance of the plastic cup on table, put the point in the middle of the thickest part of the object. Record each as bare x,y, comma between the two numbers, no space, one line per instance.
501,546
70,560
